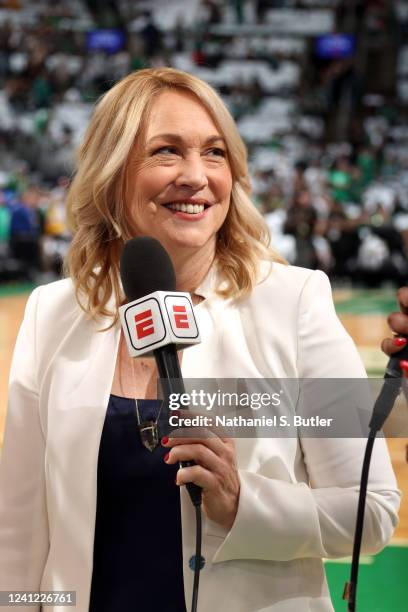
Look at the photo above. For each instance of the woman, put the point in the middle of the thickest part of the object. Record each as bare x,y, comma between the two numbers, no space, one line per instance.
162,157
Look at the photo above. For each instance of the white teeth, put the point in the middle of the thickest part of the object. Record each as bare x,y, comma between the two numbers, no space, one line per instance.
192,209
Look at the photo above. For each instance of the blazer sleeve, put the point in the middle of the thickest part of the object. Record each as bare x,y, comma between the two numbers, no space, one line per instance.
24,537
281,521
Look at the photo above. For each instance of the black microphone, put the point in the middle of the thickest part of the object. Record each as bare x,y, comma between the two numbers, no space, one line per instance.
158,319
390,390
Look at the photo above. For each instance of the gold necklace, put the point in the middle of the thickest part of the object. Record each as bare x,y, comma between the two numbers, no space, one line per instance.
148,430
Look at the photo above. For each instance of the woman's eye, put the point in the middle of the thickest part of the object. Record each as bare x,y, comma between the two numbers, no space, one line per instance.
217,152
165,150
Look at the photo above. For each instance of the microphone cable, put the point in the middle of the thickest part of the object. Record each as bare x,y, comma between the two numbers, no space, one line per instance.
350,588
384,404
197,559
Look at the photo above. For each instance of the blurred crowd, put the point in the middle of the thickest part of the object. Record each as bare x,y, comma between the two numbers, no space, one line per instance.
327,138
343,211
33,232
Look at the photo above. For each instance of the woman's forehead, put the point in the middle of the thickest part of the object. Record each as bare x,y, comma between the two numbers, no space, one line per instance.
181,114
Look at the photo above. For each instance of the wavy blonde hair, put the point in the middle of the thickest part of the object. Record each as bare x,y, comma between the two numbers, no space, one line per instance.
96,204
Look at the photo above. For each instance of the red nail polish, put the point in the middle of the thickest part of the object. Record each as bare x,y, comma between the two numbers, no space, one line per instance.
166,456
399,341
404,365
164,439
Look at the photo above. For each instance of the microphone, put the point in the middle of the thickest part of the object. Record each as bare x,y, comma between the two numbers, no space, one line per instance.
158,320
390,390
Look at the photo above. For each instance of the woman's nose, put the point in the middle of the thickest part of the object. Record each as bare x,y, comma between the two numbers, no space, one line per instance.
192,174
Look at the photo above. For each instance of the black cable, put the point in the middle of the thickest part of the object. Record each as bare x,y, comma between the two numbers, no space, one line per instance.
351,586
197,561
384,404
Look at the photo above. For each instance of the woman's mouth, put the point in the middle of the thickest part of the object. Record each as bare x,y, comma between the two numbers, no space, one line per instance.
187,208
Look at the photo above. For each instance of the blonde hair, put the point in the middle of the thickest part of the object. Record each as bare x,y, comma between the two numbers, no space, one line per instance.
97,213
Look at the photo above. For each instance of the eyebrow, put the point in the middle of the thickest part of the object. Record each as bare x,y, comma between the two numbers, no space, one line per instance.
179,139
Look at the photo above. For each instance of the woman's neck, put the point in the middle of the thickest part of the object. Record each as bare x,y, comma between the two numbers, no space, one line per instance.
191,268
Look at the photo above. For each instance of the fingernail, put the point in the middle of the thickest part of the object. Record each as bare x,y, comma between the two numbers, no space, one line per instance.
404,365
164,440
166,456
399,341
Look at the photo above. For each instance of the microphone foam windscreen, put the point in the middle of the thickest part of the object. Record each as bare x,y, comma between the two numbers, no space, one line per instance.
145,267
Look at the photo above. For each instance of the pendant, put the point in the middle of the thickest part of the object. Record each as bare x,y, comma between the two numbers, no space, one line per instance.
149,434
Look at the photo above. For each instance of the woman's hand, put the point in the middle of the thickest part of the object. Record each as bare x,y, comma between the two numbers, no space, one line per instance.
216,473
398,322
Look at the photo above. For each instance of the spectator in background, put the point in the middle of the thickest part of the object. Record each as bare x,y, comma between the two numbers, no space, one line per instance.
366,162
210,10
4,226
299,179
344,243
41,90
301,221
25,232
340,180
152,37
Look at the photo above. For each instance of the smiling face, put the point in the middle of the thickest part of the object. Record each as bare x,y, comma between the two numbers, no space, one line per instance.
178,179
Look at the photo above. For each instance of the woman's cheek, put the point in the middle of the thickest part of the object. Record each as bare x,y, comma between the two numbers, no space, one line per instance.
152,207
222,182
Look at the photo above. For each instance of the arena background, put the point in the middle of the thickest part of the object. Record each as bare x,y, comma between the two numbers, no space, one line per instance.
319,91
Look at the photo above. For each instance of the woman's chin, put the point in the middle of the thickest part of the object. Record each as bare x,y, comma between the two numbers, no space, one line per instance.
188,240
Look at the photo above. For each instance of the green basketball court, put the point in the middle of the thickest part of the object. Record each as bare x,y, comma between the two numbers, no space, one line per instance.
382,582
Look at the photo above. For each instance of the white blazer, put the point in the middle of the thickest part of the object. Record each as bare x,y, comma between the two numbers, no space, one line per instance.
298,497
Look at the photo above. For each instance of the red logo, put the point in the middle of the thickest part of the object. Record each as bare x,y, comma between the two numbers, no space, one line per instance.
180,317
144,324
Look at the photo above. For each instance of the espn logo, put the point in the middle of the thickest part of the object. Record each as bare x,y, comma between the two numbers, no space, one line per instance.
158,319
144,324
180,317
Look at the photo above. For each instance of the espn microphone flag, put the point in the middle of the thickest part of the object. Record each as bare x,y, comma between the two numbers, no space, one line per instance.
158,319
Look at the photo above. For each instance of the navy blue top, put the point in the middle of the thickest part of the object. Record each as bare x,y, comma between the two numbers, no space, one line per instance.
138,546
